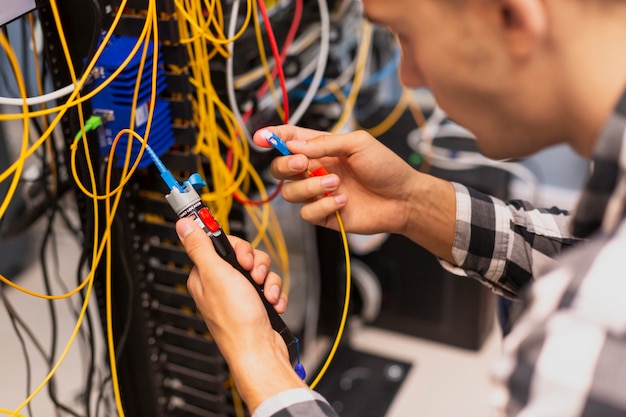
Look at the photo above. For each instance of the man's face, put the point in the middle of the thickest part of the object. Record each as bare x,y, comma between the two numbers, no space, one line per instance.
456,48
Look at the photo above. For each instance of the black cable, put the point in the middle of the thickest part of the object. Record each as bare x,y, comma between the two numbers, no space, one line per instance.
120,343
101,396
91,365
3,74
22,344
75,230
98,24
86,329
53,315
25,54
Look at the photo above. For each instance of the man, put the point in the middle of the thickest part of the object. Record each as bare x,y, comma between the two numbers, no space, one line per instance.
522,75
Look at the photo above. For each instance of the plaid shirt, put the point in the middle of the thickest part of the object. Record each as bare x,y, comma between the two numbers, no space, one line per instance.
566,355
505,245
299,402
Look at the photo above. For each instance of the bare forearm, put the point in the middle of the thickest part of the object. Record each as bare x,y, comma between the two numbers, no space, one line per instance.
261,374
432,215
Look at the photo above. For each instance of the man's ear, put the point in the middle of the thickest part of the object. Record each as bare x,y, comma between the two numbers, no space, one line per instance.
524,22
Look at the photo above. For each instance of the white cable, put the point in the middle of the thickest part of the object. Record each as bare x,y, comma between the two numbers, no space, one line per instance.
230,83
367,283
455,160
304,73
32,101
298,45
321,64
313,87
342,79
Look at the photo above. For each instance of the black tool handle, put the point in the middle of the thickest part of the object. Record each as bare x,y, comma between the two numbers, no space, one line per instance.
226,251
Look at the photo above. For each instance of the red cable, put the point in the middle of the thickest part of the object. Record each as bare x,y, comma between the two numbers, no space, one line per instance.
279,67
229,163
293,30
291,35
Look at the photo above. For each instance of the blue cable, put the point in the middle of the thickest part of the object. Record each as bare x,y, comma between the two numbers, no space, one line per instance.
299,368
389,69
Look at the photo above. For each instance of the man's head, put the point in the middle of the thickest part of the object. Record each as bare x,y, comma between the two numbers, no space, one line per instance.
521,74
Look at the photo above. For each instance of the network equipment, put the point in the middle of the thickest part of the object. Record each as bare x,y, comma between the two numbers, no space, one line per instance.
120,110
166,73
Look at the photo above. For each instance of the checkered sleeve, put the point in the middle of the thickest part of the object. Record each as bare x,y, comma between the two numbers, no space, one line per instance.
504,244
297,402
566,355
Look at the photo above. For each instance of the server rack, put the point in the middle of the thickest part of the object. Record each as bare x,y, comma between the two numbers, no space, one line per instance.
167,362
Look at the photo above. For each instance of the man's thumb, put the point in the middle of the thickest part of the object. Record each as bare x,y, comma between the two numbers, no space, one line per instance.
193,238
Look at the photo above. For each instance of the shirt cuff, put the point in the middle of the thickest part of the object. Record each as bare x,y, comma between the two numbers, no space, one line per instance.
287,399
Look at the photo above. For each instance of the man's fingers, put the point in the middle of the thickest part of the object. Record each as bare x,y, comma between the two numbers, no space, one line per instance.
286,133
196,242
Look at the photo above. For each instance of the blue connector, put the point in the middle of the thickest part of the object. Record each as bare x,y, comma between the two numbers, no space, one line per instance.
165,173
275,141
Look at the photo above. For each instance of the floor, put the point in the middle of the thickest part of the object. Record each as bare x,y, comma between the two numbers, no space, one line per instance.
443,381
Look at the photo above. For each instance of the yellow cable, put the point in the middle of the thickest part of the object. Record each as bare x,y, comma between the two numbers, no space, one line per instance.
359,72
197,28
22,157
3,411
213,138
63,354
111,211
265,65
72,100
89,280
346,304
53,166
104,242
420,120
237,403
393,117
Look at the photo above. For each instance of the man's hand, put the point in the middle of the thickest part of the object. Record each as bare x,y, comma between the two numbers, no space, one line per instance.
235,315
374,189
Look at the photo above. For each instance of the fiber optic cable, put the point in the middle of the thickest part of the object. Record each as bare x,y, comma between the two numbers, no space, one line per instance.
284,110
182,9
21,159
221,174
72,100
281,146
346,305
391,119
89,281
206,104
112,209
362,56
291,34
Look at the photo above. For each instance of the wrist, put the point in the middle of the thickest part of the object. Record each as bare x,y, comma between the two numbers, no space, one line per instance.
262,371
431,221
